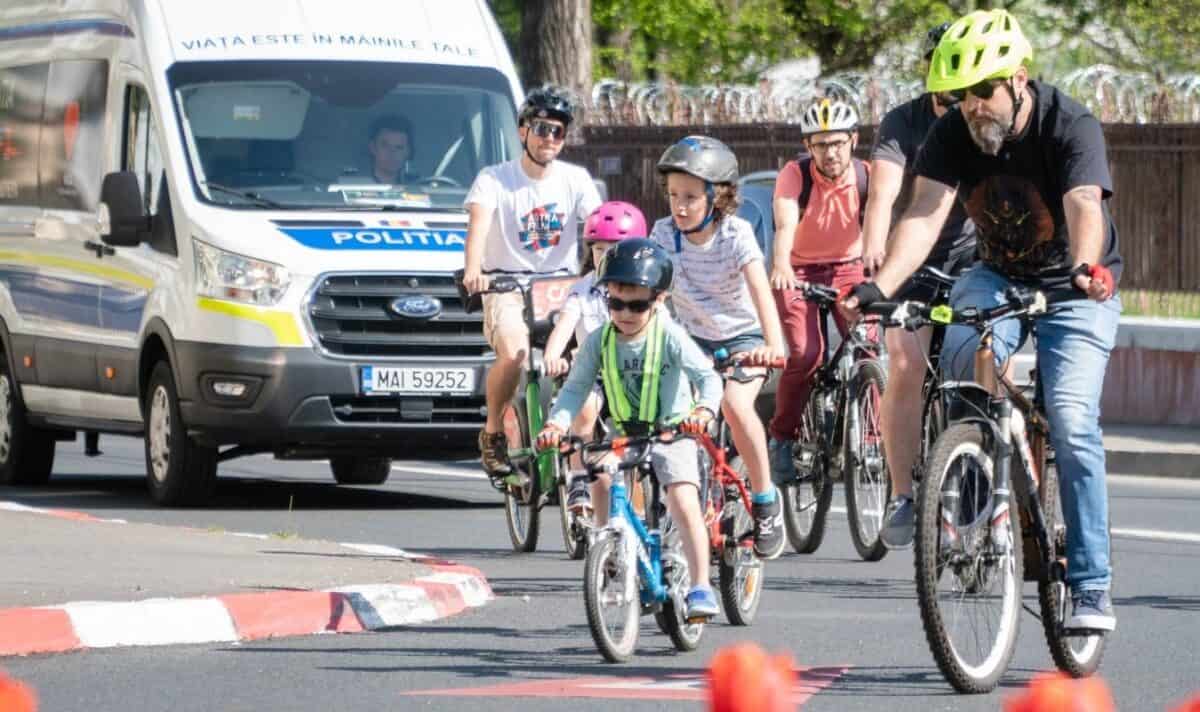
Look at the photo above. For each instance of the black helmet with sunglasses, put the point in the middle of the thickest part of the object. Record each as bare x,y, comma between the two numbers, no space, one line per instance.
640,262
548,102
932,38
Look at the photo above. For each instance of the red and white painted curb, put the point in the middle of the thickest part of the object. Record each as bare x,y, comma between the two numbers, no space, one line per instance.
450,589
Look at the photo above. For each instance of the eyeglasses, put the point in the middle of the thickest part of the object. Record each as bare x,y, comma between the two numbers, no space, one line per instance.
828,146
545,129
637,306
984,90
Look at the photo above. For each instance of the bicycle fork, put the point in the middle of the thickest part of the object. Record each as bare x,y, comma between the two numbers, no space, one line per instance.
630,532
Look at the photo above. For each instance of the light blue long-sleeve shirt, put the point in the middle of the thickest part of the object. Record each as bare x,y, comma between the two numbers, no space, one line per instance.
683,365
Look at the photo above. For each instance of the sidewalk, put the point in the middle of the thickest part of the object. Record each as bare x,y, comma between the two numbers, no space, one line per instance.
1158,450
78,582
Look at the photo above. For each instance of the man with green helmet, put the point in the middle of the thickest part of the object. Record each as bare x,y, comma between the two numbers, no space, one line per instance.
1029,165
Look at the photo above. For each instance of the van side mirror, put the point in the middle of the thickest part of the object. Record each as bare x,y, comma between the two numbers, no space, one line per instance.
129,225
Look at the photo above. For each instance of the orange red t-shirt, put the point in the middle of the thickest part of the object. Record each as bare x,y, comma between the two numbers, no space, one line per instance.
828,230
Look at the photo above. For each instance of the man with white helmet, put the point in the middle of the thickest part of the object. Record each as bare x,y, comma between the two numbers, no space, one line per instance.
819,203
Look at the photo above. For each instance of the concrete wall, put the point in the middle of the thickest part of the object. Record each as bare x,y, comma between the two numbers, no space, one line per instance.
1154,374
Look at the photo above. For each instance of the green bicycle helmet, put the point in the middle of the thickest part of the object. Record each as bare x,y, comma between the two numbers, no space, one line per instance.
986,44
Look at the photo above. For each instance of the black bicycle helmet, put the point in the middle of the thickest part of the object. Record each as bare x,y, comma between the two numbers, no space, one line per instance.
932,38
548,102
638,261
701,156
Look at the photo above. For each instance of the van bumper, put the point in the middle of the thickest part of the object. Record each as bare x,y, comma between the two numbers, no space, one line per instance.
299,403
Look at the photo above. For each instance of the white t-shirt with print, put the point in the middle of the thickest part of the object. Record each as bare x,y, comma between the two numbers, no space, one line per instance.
709,293
587,303
536,224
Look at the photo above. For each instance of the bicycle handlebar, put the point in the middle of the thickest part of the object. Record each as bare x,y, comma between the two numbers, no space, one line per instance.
1021,302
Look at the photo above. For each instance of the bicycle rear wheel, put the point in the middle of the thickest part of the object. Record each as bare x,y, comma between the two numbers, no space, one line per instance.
522,492
739,572
868,485
969,592
806,502
612,608
1076,655
574,528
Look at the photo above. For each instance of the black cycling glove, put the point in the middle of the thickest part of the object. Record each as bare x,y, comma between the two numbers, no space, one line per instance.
867,294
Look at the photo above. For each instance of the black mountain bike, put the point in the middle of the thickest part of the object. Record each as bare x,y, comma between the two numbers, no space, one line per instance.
969,568
839,438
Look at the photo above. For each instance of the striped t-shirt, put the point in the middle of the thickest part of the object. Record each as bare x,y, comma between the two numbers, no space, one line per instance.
709,293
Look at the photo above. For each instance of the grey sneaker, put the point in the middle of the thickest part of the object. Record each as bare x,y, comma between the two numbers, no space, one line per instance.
579,499
783,464
1092,610
899,523
768,528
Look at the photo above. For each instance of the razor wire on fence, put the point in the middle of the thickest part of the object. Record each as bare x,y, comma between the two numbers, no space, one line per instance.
1112,95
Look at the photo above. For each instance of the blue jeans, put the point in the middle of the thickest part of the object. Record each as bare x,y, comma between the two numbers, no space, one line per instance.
1072,354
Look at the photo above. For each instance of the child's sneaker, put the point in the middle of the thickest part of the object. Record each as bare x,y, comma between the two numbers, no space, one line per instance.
768,528
579,499
701,603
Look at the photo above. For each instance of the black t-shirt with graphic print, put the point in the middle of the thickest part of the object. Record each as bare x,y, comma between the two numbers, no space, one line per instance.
898,140
1015,198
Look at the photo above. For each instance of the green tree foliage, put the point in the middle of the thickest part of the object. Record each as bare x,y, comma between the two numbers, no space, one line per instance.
1157,36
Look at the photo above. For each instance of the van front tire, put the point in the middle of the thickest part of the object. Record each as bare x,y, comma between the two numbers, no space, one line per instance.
179,472
360,470
26,453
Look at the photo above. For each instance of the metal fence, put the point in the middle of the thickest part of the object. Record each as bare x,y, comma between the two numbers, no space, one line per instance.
1155,168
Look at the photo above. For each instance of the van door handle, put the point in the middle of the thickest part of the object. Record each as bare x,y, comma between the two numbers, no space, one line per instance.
99,248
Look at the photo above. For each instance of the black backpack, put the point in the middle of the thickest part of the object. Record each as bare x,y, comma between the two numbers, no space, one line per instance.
860,176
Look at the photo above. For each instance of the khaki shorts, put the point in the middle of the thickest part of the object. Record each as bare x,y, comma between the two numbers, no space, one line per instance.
504,313
676,463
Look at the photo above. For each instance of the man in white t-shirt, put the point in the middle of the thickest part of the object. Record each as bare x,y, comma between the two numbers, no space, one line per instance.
525,218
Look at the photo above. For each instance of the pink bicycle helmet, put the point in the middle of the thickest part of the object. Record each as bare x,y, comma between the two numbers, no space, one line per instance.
613,221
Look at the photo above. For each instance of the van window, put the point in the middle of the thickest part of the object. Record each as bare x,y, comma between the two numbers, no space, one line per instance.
72,143
141,153
22,90
341,135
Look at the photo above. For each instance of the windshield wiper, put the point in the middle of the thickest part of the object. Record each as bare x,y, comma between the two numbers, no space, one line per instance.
245,195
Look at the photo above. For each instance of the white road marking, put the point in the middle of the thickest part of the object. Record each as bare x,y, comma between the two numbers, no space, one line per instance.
1157,535
415,469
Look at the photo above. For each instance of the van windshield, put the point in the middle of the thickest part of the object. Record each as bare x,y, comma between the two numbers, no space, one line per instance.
334,135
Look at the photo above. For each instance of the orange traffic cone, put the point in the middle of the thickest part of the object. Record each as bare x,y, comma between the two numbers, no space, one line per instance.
1192,705
15,696
742,678
1056,692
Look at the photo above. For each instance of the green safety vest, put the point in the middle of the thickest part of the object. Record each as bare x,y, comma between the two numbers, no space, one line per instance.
614,390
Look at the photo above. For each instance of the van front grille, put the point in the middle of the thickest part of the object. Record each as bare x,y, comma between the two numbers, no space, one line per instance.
350,317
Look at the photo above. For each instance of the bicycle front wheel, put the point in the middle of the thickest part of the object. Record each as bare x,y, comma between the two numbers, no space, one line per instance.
611,602
806,502
968,589
522,492
868,485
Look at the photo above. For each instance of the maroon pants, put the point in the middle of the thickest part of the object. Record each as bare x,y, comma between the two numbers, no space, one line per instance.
806,348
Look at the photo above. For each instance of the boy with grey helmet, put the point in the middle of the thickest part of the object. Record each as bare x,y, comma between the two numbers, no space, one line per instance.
721,296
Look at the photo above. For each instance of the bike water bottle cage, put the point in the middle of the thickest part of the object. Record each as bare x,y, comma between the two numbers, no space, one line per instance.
614,390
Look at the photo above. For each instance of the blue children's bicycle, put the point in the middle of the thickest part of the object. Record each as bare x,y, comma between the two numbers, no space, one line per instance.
634,568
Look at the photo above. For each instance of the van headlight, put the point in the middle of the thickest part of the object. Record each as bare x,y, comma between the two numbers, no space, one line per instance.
226,275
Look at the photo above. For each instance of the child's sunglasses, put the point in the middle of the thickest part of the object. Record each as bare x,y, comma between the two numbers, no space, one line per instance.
545,129
984,90
637,306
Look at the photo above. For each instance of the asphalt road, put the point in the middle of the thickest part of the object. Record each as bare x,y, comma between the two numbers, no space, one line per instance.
855,623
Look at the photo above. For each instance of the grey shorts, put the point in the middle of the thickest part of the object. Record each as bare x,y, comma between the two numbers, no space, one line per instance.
676,462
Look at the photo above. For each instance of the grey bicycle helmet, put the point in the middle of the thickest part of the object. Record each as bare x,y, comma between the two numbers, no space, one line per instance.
701,156
639,261
548,102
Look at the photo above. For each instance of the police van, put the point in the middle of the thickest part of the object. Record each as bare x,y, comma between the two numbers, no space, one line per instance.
230,227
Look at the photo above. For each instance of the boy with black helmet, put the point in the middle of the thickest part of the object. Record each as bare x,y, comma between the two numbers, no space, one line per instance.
649,368
525,216
722,297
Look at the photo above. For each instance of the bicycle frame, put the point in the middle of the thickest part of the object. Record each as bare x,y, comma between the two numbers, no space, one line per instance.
726,476
644,545
838,368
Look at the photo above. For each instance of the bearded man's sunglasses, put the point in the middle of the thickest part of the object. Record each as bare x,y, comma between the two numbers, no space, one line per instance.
984,90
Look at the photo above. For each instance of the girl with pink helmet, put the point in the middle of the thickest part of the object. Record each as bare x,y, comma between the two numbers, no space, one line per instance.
586,310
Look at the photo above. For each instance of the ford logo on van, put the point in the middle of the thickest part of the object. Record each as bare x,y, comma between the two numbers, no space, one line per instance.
415,306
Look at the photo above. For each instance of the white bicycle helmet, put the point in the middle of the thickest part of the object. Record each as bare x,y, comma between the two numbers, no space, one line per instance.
828,115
